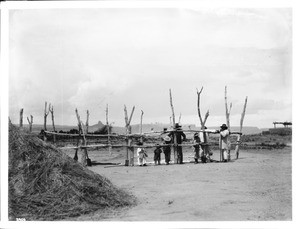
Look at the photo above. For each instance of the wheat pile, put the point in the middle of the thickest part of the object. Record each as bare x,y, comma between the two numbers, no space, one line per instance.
46,184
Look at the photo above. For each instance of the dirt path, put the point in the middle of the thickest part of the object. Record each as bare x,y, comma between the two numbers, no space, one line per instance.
256,187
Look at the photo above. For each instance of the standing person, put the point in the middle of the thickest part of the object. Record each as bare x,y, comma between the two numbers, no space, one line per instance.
196,147
141,153
224,134
157,153
180,136
164,133
167,149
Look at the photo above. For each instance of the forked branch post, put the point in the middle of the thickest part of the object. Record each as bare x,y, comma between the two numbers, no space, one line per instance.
202,122
30,122
237,147
174,128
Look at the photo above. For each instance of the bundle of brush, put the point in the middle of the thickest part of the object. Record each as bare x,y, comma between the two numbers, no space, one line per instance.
46,184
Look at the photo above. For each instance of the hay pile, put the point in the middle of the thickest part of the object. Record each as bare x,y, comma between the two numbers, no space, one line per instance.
46,184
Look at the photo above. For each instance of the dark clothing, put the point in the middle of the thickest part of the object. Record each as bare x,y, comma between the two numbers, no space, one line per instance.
180,136
197,148
167,152
157,153
197,141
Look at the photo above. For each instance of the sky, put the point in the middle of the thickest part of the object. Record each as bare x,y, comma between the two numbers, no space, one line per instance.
87,58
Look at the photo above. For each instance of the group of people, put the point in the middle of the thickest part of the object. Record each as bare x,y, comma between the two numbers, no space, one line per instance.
166,149
178,136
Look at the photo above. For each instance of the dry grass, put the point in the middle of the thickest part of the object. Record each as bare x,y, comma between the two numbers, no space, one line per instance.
46,184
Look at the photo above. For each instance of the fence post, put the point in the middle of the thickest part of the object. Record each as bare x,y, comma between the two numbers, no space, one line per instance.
227,113
21,117
174,129
202,122
30,123
87,121
129,158
81,133
53,125
141,126
108,131
45,115
85,158
237,147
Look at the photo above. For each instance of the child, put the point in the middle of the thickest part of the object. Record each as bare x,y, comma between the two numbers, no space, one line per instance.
196,147
157,153
141,153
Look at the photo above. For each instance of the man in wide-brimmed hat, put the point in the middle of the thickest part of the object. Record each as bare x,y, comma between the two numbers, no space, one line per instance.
180,136
224,135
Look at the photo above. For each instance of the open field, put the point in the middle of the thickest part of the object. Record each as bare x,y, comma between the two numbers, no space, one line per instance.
258,186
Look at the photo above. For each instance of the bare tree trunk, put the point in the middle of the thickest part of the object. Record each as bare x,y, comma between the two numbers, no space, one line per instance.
202,122
45,115
53,125
129,158
80,131
87,121
173,120
237,147
79,122
172,108
30,122
141,125
179,119
85,142
85,157
227,113
127,140
21,117
108,131
129,121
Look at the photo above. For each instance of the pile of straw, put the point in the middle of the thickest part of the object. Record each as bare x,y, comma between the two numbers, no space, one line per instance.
46,184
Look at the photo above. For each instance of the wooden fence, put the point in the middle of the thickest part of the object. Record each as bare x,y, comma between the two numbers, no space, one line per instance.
131,147
83,131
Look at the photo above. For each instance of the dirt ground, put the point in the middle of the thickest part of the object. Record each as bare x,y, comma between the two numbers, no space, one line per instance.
257,186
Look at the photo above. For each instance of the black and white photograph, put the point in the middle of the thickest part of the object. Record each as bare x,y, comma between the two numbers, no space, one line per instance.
148,113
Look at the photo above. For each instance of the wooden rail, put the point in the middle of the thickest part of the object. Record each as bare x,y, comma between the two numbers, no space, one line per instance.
137,135
136,146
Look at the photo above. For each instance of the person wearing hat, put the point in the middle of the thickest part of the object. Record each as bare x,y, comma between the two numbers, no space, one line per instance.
167,149
157,153
197,142
164,133
180,136
224,135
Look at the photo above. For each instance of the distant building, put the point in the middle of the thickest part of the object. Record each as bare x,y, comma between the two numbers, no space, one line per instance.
285,130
